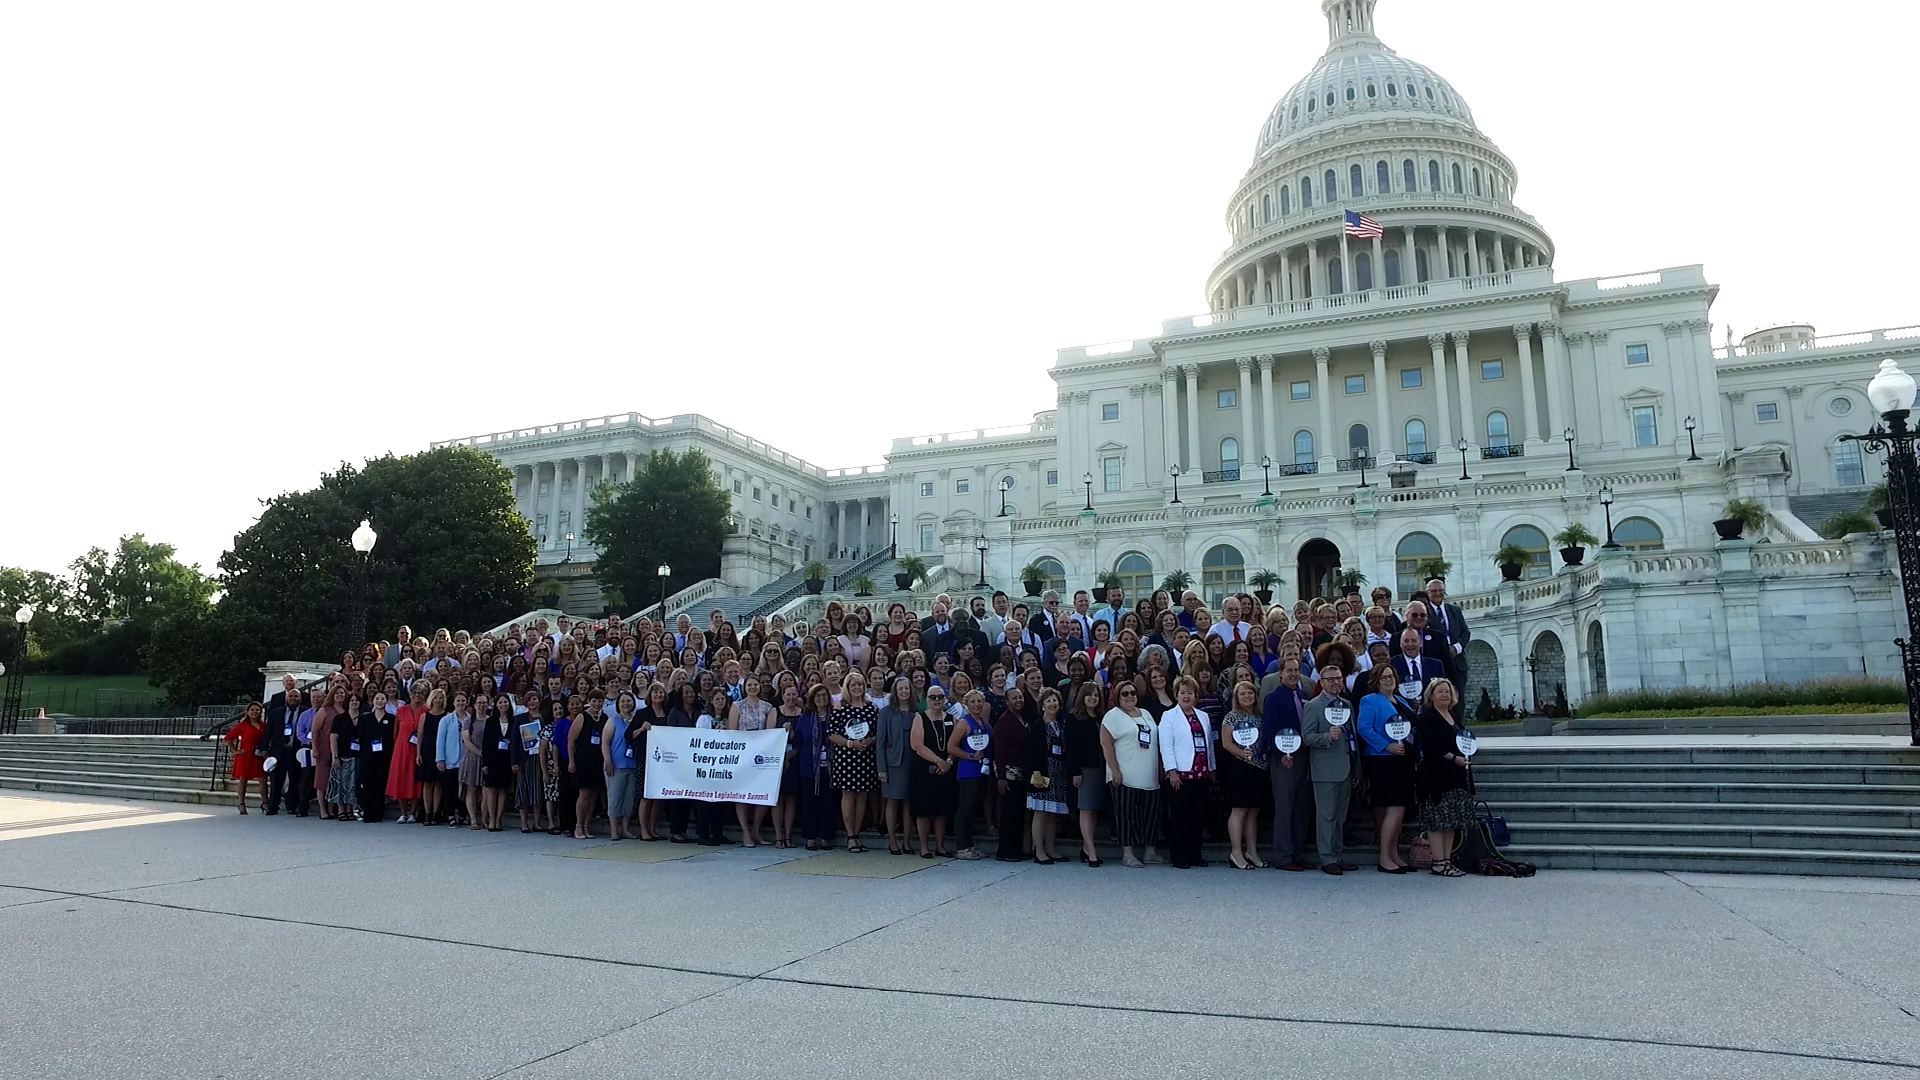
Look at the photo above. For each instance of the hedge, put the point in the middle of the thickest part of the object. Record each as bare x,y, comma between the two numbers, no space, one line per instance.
1751,699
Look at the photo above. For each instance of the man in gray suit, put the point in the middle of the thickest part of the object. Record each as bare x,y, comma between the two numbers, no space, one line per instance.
1326,723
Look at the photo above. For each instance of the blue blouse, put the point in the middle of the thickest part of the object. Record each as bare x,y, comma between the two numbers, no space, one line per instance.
1375,713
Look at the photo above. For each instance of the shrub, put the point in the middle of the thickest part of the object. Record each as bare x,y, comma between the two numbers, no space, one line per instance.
1848,521
1817,692
1751,515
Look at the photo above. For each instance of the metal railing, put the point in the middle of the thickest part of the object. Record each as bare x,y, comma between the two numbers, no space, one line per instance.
1303,468
1356,463
1221,476
1420,459
841,579
1510,450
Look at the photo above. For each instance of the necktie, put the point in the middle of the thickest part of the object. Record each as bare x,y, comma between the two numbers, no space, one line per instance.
1236,633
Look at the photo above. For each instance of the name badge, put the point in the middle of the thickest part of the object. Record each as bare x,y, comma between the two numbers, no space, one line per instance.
594,739
286,732
1199,744
1146,737
502,746
1057,750
977,741
378,746
414,739
858,730
1338,715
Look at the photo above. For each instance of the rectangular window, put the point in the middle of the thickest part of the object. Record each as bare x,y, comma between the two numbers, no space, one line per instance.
1300,391
1644,431
1110,471
1493,369
926,538
1227,399
736,488
756,494
926,489
1637,355
773,500
1053,477
1110,410
543,489
809,513
1356,384
1766,410
961,487
1412,378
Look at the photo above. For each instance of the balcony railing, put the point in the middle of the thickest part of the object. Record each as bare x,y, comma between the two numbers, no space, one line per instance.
1354,464
1420,459
1221,476
1302,468
1510,450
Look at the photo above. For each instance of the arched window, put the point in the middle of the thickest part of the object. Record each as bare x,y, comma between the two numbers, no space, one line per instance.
1539,565
1433,175
1476,181
1458,188
1223,572
1350,94
1421,272
1363,271
1393,89
1286,200
1333,186
1306,193
1639,534
1497,429
1303,447
1056,573
1382,178
1136,574
1416,436
1847,470
1392,260
1355,186
1230,457
1357,440
1413,549
1373,91
1336,283
1266,208
1407,176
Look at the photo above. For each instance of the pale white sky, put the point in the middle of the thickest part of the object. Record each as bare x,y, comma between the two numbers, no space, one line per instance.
240,243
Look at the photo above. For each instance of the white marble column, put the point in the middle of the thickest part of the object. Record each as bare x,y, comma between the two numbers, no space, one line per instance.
1247,443
579,519
1267,446
1383,438
1170,414
1260,282
1530,401
1553,353
1499,254
554,531
1325,451
1346,265
1193,416
1469,419
1409,258
1700,361
1379,264
1063,424
1437,344
1285,291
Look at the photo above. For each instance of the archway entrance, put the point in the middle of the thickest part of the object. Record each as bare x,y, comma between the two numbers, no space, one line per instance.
1483,678
1319,565
1550,673
1596,658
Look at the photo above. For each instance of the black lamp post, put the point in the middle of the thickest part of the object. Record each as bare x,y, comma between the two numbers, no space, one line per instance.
1571,467
1462,447
1006,485
663,572
1533,679
362,541
1174,471
15,670
1266,475
1606,503
1891,392
1693,452
980,545
1088,480
1362,455
569,557
893,534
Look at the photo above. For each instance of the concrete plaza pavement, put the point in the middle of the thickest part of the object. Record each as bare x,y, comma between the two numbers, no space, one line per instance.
138,940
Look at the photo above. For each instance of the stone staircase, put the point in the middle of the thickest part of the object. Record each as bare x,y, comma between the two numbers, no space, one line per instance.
159,768
1715,804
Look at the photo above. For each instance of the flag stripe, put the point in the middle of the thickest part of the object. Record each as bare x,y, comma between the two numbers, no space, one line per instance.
1362,227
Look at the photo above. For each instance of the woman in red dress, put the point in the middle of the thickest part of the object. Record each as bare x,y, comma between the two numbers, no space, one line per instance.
402,784
249,749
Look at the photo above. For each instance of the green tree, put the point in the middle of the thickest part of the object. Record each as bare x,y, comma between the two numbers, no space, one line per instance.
100,619
673,511
453,552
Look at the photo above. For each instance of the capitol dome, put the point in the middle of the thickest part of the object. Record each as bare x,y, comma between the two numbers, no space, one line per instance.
1370,131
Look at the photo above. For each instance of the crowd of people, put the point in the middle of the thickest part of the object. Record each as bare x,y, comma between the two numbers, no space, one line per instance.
995,719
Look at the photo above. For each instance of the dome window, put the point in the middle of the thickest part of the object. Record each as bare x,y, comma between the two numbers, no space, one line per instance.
1306,193
1333,186
1409,179
1476,182
1350,93
1295,114
1373,91
1393,89
1354,187
1433,175
1309,106
1286,200
1429,93
1266,208
1458,188
1382,178
1329,99
1410,91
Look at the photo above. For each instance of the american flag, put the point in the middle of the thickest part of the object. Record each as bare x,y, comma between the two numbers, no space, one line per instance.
1362,227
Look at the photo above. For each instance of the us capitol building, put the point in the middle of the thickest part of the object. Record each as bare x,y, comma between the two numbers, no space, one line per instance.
1424,389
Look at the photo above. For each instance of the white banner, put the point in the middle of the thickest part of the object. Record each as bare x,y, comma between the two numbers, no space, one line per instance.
715,766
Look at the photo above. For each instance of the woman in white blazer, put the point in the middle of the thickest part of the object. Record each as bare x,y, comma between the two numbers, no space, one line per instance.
1186,756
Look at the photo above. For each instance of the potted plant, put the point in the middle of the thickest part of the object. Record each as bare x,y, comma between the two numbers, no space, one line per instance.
1350,581
1263,582
1848,521
1512,560
549,593
1177,582
815,574
1433,566
1877,505
1741,515
1574,541
1033,578
610,600
1106,579
912,568
862,585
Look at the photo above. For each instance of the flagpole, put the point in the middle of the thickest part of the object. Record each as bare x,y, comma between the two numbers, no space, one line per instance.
1346,257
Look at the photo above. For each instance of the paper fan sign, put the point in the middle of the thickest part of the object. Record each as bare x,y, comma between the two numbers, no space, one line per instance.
1286,740
1466,743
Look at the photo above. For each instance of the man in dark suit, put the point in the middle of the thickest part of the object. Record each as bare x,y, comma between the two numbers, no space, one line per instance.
1041,622
1291,776
1413,667
283,710
1433,644
938,633
1452,625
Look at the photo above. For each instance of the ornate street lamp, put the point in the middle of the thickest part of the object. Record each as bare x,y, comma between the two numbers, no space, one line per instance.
1891,392
1693,452
893,534
1362,455
1088,480
980,545
1533,677
16,673
663,572
1571,467
1006,485
569,557
1266,475
362,540
1462,447
1606,503
1174,471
